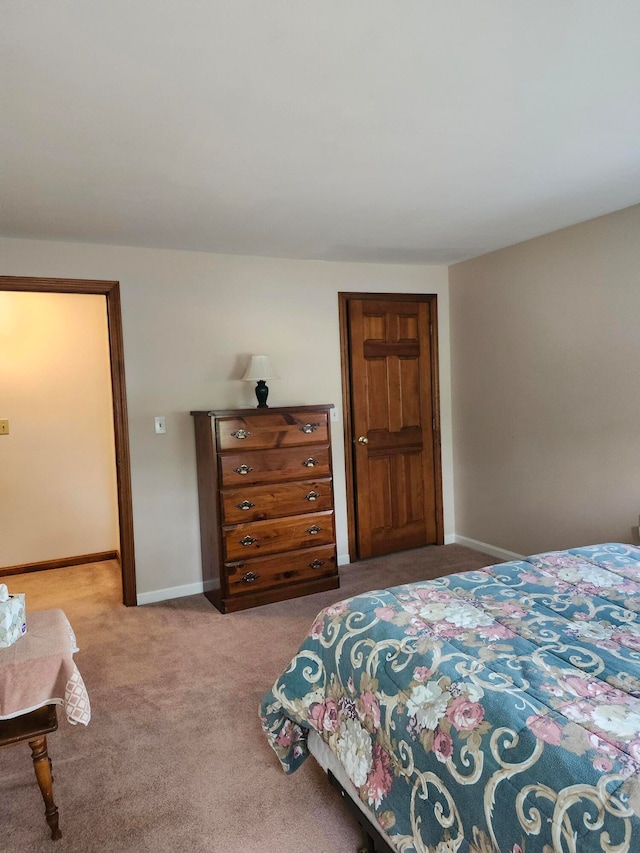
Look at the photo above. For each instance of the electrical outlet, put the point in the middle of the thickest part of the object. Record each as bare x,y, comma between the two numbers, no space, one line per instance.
161,425
4,426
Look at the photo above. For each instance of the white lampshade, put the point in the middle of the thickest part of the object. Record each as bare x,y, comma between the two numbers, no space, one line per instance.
260,368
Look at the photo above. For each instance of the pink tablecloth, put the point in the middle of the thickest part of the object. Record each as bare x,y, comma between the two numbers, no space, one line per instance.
39,670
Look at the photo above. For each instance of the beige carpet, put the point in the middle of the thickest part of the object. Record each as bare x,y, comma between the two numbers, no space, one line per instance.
174,758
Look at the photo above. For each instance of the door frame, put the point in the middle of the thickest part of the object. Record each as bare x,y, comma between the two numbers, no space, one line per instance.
111,290
343,313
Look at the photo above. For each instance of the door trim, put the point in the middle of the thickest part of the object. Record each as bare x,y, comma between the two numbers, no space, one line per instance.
343,314
111,290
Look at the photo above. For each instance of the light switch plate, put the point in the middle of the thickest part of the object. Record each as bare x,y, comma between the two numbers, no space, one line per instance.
4,426
161,425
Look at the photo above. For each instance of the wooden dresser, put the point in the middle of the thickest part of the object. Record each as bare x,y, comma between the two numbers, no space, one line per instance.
266,504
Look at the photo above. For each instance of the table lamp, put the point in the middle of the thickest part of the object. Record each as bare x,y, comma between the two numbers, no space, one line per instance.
260,370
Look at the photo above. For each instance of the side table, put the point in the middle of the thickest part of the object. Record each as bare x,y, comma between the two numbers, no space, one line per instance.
33,728
37,673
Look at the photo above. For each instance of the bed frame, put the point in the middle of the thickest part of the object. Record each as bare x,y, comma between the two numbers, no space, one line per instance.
373,839
373,842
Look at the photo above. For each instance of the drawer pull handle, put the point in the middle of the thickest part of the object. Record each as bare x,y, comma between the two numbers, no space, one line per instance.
316,564
245,505
247,540
243,469
309,428
310,462
249,577
241,433
312,496
314,530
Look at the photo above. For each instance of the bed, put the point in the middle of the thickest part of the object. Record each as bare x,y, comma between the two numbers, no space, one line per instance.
494,711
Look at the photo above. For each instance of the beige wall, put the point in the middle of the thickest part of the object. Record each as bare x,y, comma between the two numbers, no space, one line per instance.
57,464
545,353
191,320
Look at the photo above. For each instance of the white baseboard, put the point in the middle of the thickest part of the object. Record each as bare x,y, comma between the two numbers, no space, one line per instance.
194,588
343,559
485,548
170,592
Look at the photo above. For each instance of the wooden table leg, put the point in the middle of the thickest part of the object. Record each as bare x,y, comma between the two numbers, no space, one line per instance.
42,767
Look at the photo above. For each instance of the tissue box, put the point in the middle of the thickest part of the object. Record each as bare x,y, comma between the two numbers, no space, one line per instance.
13,621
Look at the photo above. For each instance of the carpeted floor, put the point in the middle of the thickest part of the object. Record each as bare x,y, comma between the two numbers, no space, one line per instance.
174,758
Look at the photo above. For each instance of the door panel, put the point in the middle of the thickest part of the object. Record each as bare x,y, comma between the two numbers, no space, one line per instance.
395,440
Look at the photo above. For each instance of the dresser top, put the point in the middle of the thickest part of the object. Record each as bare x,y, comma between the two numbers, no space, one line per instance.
222,413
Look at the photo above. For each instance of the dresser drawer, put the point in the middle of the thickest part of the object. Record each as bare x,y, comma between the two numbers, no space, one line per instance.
256,503
282,534
264,572
268,431
269,466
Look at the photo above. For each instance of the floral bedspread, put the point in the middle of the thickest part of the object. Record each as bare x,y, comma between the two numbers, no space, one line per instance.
495,711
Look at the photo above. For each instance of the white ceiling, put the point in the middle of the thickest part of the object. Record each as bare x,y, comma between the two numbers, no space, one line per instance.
377,130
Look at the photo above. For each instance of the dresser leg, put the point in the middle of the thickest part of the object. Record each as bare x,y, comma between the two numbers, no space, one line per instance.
42,767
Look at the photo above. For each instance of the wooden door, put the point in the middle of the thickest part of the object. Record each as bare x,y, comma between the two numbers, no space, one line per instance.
394,449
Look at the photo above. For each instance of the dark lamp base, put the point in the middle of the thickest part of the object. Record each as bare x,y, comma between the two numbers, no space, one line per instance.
262,392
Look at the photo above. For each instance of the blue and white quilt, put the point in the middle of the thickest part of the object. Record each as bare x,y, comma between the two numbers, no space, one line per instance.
495,711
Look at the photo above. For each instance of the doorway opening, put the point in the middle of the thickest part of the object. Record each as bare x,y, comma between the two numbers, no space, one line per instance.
110,290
